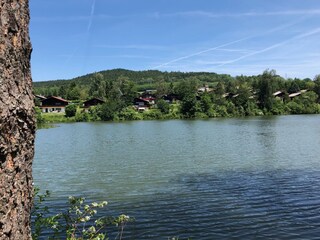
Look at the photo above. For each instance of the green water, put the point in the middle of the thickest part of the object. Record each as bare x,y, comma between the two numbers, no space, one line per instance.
246,178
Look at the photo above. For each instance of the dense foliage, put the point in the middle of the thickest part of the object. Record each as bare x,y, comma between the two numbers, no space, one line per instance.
71,110
200,95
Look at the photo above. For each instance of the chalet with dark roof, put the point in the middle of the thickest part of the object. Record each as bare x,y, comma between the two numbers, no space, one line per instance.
279,94
53,104
151,100
92,102
171,98
141,104
39,97
296,94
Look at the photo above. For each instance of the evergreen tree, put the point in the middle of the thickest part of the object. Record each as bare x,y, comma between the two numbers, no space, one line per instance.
266,89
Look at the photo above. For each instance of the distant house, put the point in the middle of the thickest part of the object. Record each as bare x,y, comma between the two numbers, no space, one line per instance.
53,104
278,94
141,104
92,102
151,100
149,96
230,95
38,99
171,98
293,95
204,89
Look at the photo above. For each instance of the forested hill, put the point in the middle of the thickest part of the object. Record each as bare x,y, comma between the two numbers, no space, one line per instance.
140,78
89,85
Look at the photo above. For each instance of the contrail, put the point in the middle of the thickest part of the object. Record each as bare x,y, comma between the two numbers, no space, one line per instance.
76,50
201,52
91,15
233,42
300,36
88,37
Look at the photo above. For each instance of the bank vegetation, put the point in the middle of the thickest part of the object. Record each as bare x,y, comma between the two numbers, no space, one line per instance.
179,96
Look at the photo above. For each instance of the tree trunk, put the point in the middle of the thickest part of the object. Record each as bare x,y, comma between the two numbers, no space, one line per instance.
17,125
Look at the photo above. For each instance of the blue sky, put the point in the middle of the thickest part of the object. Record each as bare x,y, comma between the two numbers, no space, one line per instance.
75,37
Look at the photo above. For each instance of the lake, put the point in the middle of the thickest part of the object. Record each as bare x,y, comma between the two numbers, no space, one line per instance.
247,178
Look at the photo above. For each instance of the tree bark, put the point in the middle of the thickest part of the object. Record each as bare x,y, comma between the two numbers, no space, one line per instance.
17,125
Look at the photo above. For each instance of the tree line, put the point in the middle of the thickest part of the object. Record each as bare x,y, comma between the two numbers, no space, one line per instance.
222,96
78,88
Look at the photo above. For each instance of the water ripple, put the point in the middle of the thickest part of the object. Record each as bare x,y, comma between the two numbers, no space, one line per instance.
253,178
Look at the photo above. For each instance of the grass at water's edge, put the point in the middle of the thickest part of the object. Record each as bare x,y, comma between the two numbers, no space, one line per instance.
48,119
56,118
45,126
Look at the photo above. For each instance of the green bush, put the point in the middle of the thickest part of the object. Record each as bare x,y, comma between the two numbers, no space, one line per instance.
71,110
152,114
163,106
205,103
79,221
279,108
253,109
231,109
201,115
220,111
93,113
295,108
129,113
82,117
173,115
39,116
109,110
189,106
